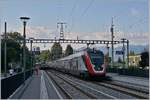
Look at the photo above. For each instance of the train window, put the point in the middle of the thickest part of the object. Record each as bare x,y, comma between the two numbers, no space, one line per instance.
97,59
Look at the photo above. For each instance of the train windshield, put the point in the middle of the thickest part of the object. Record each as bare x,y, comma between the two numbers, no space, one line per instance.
97,59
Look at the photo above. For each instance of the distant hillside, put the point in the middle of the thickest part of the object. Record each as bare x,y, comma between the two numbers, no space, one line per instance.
136,48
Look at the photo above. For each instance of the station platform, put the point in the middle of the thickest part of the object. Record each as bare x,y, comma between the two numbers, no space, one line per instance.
130,79
31,89
37,87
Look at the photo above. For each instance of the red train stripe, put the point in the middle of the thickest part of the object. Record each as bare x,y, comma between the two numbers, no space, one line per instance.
89,65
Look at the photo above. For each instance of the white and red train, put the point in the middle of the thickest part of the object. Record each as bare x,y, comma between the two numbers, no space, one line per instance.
86,63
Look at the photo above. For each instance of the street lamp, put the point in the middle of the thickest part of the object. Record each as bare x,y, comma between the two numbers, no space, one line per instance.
24,20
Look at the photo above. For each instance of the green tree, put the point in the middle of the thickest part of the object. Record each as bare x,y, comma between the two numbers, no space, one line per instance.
45,55
15,36
69,50
14,50
144,59
56,51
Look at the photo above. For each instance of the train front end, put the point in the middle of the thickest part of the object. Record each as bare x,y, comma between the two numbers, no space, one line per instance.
95,62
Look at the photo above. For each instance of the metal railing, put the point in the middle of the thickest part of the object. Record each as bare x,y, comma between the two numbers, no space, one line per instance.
11,83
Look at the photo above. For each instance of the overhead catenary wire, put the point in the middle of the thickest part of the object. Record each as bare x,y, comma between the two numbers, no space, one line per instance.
71,15
73,8
138,22
82,14
86,9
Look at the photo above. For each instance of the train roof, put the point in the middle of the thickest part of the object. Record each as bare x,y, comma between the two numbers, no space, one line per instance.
73,56
78,54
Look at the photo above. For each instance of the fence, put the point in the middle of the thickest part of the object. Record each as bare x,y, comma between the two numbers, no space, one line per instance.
10,84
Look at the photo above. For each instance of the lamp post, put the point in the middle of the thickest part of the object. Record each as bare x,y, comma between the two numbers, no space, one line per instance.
5,50
24,19
31,41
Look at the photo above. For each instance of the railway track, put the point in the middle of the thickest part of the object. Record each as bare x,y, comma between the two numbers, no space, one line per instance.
137,87
125,89
69,89
93,93
142,94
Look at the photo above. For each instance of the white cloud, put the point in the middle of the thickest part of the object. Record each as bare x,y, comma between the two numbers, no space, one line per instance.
45,32
138,38
134,38
39,32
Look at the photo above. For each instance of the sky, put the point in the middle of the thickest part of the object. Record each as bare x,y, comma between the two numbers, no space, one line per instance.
87,19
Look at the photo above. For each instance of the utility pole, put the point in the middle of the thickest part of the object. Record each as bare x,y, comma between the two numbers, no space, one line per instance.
77,38
112,40
123,48
107,55
128,53
88,45
61,29
107,50
31,41
5,49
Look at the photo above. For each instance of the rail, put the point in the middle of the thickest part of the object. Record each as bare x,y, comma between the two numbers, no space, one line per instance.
126,89
131,91
81,91
88,90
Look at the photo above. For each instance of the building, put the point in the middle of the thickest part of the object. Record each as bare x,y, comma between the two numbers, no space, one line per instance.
134,60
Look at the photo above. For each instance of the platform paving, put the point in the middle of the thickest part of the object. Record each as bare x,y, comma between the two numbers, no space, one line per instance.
38,87
33,89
